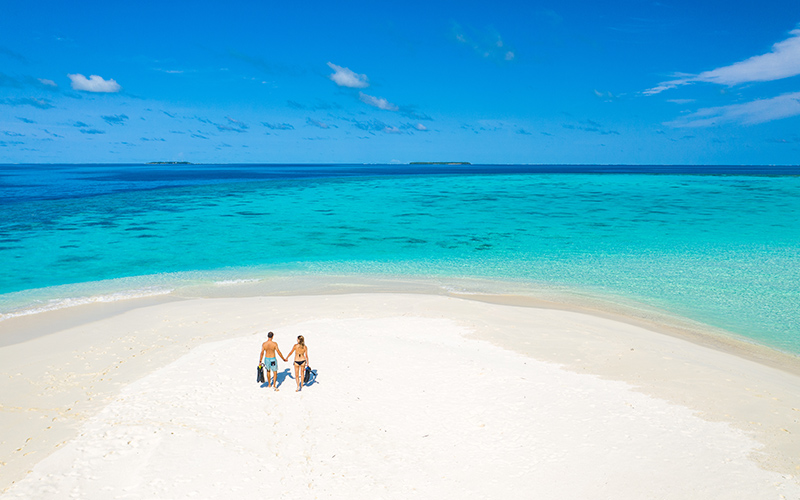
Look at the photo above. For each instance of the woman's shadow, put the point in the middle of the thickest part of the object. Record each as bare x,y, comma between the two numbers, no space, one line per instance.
280,377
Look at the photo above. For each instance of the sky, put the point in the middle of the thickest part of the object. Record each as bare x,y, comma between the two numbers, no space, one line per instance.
538,82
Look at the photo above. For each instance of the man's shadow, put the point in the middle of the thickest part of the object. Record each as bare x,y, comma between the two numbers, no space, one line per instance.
281,376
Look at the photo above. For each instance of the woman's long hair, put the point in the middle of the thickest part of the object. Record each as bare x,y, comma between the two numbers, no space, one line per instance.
301,340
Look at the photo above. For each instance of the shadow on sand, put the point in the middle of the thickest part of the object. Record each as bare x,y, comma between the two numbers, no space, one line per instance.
281,377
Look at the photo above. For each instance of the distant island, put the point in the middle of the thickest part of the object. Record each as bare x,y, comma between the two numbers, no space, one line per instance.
440,163
169,163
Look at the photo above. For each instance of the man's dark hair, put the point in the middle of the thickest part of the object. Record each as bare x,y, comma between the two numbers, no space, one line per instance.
270,334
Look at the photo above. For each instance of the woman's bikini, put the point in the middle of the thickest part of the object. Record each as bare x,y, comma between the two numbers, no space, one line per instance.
302,361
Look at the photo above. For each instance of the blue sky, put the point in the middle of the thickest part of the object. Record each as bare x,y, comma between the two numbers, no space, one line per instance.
633,82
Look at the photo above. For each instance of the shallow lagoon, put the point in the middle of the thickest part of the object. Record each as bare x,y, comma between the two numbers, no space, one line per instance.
723,249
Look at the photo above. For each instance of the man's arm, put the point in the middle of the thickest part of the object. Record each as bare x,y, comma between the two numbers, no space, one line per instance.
260,356
277,349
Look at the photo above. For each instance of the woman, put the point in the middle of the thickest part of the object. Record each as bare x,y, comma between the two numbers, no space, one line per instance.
300,361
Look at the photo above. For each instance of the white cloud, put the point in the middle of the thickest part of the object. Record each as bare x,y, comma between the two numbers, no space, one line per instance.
782,62
94,83
605,96
759,111
421,127
345,77
49,83
488,44
378,102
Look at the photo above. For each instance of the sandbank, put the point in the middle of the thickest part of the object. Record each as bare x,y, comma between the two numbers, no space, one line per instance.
418,395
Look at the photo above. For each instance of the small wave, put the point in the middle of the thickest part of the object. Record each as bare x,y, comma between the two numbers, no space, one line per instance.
55,304
466,290
235,282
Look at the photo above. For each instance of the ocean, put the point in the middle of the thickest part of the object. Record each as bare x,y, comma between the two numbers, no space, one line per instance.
718,245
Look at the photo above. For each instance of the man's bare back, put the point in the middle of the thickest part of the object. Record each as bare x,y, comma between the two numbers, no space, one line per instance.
268,350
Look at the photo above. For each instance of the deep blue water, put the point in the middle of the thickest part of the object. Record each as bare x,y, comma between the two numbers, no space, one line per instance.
720,245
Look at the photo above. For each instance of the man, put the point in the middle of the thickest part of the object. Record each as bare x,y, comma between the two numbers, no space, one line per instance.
268,350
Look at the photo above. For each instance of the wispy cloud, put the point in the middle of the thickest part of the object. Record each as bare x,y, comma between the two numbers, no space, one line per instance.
783,61
27,101
373,126
9,81
115,119
94,83
27,81
13,55
590,126
605,96
232,125
411,112
319,105
91,131
488,43
266,67
255,61
25,120
316,123
278,126
378,102
758,111
345,77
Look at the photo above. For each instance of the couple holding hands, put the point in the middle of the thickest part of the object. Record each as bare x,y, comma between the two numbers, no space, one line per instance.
268,350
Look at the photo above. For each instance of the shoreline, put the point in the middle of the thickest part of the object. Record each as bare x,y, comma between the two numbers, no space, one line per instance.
88,364
514,293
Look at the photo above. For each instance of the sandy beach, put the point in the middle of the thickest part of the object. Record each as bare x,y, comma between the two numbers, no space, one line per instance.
417,395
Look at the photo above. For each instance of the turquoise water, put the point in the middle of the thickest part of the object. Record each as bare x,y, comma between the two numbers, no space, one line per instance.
720,249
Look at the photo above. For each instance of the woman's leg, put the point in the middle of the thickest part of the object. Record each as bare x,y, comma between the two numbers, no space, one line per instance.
296,375
302,378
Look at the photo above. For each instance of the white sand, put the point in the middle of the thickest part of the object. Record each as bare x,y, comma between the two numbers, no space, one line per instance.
408,404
